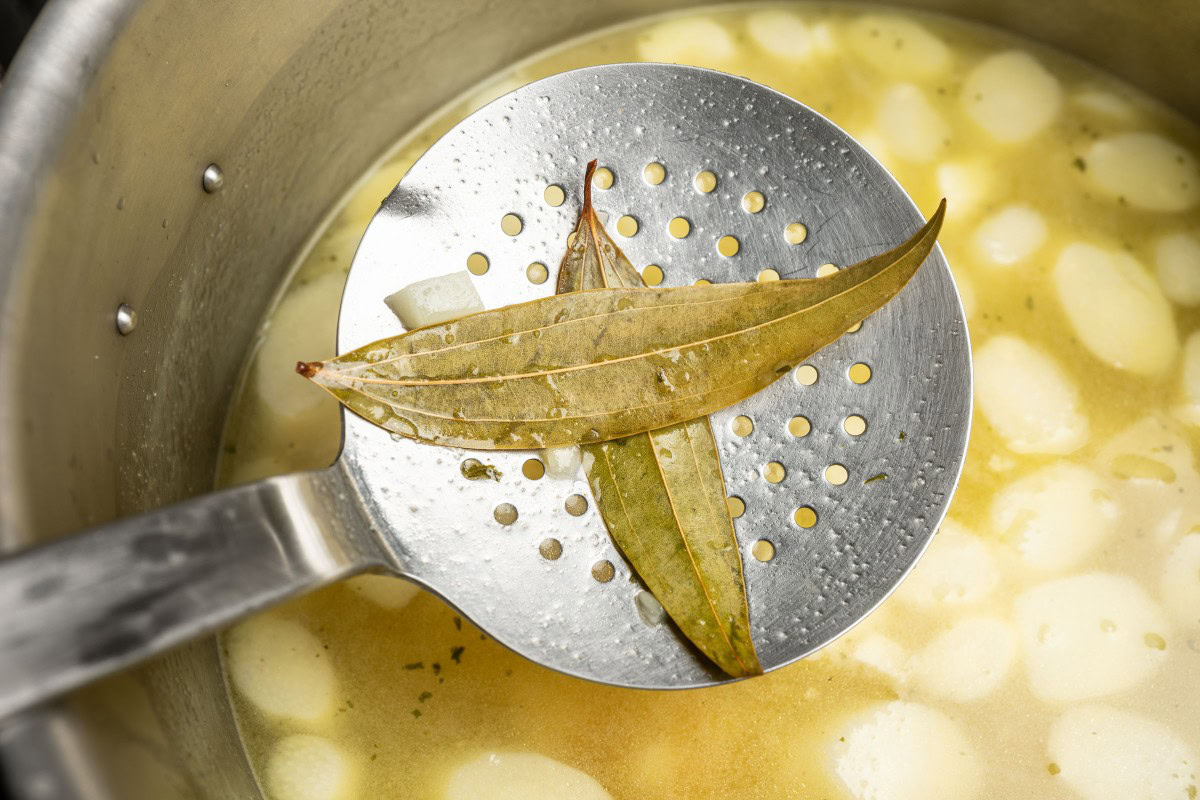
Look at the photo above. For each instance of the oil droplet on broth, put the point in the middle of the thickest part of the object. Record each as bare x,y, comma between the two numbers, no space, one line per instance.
753,202
654,173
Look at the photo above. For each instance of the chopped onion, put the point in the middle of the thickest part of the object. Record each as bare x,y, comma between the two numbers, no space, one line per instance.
435,300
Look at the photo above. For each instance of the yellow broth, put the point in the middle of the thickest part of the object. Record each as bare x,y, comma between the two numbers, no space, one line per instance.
1047,646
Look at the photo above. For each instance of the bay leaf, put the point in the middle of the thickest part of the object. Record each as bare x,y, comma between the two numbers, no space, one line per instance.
593,260
602,364
662,497
661,494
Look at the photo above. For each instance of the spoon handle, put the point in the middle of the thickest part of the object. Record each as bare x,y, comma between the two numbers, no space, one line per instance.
76,609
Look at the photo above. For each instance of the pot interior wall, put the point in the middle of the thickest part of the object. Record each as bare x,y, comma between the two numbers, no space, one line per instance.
293,101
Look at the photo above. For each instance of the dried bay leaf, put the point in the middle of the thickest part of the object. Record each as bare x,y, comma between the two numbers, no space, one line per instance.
662,497
602,364
661,494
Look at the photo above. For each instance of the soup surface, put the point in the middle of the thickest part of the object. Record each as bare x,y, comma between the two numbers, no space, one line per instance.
1047,645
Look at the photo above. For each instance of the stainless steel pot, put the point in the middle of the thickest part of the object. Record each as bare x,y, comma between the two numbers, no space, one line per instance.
109,118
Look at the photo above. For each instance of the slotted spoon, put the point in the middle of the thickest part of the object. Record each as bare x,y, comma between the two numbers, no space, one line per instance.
847,480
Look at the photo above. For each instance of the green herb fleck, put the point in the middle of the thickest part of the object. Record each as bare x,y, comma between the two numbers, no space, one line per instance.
424,696
880,477
416,665
1080,164
456,654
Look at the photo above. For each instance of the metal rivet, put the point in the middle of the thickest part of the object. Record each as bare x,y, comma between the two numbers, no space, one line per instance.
213,179
126,319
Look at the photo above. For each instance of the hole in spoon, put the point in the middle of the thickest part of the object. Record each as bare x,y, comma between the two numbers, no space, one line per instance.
477,263
763,550
654,173
806,375
550,549
511,224
679,228
652,275
742,425
603,178
505,513
859,373
603,571
533,469
805,517
736,505
554,195
576,505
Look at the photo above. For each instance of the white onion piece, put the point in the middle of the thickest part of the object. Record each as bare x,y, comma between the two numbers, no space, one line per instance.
562,462
699,41
968,661
1116,309
1145,170
958,569
303,328
1153,467
884,654
898,47
435,300
1089,635
649,609
1027,397
1057,515
1009,236
1011,96
304,767
521,776
385,591
907,751
1177,263
1107,754
964,184
281,668
781,34
911,126
1181,581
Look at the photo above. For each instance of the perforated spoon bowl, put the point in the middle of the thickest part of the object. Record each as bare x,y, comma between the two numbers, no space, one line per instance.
844,467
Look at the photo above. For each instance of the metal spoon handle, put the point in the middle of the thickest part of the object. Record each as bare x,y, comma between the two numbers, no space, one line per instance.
76,609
